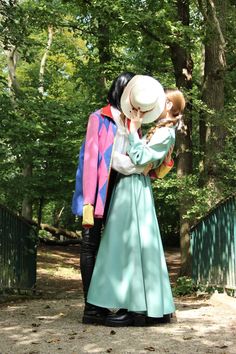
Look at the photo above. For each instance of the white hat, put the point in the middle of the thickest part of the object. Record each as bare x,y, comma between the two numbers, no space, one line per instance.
145,93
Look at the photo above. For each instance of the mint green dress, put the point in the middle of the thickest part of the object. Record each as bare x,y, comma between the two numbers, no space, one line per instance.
130,270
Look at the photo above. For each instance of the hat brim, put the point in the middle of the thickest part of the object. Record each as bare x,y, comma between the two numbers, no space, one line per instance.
149,116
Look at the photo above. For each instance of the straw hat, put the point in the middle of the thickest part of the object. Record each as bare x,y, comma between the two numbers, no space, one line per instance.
145,93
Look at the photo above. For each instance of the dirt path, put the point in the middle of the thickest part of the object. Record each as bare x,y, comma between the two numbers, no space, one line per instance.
52,323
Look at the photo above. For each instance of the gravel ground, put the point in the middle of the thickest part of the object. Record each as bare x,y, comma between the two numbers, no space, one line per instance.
52,323
54,326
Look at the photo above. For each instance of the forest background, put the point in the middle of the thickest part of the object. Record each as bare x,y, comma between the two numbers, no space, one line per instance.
57,61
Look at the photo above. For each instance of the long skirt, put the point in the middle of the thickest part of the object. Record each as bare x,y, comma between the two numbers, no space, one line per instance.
130,270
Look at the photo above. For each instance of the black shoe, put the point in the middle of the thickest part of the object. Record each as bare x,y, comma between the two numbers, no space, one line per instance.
125,318
119,312
95,314
150,321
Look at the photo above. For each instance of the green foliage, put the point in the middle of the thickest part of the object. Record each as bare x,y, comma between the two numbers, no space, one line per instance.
184,286
92,43
169,194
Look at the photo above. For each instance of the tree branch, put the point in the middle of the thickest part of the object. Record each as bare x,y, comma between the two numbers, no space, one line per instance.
217,23
43,61
203,11
54,230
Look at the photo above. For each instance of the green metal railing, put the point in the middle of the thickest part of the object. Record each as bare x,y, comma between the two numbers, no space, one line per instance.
17,253
213,246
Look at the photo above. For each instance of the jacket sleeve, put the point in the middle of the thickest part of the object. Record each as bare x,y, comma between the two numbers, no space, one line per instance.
90,170
142,153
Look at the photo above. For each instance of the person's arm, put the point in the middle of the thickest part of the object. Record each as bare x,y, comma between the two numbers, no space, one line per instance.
123,164
77,200
90,170
164,168
141,153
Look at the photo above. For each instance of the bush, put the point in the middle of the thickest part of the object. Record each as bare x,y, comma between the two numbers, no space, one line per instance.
184,286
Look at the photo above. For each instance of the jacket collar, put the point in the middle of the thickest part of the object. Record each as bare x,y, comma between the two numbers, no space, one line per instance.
106,111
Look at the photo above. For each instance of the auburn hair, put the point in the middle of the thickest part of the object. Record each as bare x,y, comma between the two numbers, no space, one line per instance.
176,97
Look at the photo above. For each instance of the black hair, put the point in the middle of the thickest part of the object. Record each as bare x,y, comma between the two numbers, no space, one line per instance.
117,88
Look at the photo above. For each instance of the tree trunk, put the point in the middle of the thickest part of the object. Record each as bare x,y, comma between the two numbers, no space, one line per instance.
40,210
13,84
12,58
212,133
183,66
57,215
27,208
41,90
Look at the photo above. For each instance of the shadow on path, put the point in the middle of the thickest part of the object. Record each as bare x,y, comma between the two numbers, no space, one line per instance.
58,270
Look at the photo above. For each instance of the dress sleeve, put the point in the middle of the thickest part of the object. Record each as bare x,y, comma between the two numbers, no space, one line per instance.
142,153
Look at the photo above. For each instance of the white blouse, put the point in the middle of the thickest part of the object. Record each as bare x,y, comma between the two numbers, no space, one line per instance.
120,161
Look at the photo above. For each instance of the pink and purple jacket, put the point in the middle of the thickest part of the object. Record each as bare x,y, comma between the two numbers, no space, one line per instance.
94,166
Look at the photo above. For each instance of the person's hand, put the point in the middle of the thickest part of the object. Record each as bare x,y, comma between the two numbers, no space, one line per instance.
135,120
168,157
147,169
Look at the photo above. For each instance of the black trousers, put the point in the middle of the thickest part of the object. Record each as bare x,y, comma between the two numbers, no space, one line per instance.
91,240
